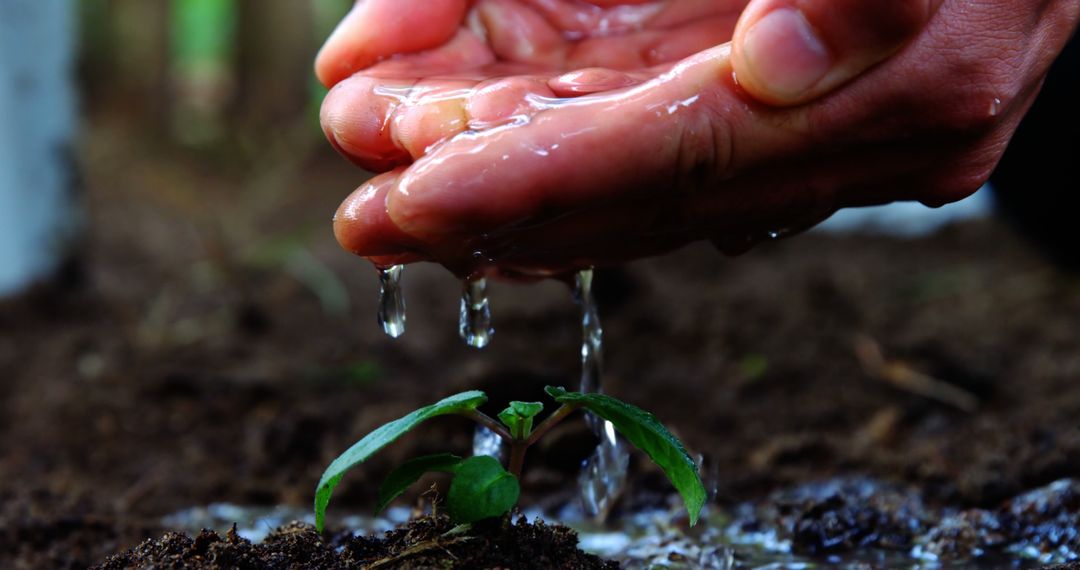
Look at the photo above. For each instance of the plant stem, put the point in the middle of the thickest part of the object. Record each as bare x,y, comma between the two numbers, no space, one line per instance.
517,456
488,422
551,421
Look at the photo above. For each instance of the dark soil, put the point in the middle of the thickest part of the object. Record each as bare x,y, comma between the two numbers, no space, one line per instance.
843,516
427,542
218,347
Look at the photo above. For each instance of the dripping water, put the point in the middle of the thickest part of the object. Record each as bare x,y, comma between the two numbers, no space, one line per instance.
391,301
474,325
603,474
592,333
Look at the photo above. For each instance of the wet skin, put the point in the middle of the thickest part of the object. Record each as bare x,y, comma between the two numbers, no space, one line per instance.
530,137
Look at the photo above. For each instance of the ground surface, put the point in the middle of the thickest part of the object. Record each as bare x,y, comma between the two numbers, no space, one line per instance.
423,543
207,355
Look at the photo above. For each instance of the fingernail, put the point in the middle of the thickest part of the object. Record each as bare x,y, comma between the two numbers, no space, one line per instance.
784,54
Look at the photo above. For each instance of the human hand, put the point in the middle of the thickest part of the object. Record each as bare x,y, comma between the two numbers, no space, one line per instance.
536,136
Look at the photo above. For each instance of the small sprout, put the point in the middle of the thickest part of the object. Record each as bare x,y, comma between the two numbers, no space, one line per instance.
481,487
519,417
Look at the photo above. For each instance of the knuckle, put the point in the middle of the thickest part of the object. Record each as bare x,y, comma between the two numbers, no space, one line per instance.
706,151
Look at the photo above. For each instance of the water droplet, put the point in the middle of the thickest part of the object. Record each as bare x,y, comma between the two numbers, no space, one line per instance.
474,324
487,442
391,301
995,107
603,474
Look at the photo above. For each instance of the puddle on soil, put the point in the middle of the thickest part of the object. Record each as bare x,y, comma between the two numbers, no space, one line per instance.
844,523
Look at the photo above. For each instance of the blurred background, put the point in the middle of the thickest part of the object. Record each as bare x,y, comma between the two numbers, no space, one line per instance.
179,328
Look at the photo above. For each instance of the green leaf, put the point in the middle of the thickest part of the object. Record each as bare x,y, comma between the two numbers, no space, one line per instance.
481,489
380,438
519,417
527,409
647,434
410,472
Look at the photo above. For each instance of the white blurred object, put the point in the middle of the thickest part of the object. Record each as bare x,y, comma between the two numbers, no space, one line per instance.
909,219
37,123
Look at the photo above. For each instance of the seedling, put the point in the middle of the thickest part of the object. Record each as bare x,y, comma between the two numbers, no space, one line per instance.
481,488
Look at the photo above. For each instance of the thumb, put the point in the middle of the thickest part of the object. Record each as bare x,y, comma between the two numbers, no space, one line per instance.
787,52
377,29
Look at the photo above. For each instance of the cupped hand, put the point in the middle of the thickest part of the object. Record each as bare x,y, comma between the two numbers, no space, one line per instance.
536,136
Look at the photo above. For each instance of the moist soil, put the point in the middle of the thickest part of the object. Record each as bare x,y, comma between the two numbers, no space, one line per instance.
209,343
426,542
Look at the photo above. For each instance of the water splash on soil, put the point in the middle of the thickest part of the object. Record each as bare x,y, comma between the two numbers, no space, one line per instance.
603,474
474,324
842,523
391,301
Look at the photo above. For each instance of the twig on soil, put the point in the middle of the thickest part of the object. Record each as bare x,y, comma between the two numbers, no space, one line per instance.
903,376
419,548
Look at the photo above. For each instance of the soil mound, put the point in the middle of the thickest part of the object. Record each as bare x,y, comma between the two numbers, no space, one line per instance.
427,542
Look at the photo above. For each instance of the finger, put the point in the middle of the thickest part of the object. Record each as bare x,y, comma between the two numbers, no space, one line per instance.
518,33
462,54
650,47
376,29
356,118
381,123
680,13
787,52
363,227
580,19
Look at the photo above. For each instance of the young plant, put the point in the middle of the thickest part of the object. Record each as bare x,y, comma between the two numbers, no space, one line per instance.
481,488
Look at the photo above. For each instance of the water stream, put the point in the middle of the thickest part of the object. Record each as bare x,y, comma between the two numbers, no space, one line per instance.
603,474
391,301
474,324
